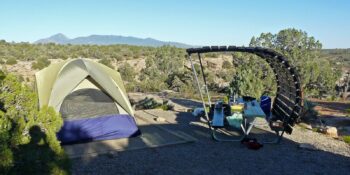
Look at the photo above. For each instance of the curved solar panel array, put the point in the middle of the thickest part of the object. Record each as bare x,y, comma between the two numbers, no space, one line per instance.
287,106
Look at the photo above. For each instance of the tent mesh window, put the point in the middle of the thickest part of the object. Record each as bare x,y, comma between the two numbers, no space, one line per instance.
87,103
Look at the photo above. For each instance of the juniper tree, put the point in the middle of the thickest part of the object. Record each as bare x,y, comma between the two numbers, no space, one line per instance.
19,113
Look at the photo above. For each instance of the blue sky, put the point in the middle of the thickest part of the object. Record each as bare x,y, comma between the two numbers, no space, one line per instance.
197,22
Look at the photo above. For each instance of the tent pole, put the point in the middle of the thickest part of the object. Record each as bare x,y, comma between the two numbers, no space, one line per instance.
200,91
205,81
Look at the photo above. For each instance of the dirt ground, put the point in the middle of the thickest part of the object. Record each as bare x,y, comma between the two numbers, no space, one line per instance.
334,114
206,156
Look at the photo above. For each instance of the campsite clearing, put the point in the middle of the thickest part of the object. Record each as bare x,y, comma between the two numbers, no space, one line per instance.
206,156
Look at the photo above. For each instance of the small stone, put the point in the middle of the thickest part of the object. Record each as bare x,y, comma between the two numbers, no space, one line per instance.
332,131
307,146
159,119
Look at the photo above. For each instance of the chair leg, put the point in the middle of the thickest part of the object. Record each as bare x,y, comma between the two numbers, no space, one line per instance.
278,138
216,138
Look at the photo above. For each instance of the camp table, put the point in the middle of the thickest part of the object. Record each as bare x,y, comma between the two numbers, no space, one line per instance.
288,104
252,110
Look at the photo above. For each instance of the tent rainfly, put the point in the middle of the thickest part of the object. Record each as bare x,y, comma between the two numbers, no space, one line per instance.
91,99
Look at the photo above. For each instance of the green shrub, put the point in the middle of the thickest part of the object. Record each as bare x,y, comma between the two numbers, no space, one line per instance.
28,135
309,108
151,86
348,111
127,72
226,65
40,63
11,61
166,106
148,103
212,55
346,139
106,62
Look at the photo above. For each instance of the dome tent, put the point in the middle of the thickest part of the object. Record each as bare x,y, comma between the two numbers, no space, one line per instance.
91,99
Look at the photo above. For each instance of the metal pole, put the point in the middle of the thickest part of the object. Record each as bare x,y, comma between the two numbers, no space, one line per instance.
199,89
205,81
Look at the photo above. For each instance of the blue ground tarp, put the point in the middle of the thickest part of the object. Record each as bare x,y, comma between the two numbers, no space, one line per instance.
98,128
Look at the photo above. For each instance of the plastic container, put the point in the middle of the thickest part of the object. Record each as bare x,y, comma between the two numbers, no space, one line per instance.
265,104
237,108
235,120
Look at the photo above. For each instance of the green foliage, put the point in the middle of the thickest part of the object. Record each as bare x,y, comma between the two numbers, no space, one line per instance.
197,67
41,63
309,109
11,61
19,146
28,52
253,77
165,70
226,65
318,75
148,103
148,85
127,72
166,106
348,111
165,66
212,55
346,139
339,57
106,62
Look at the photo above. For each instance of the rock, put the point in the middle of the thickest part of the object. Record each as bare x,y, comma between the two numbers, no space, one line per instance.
159,119
306,126
137,97
165,93
331,131
307,146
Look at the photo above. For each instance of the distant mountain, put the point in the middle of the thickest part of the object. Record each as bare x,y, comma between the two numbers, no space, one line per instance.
58,38
108,40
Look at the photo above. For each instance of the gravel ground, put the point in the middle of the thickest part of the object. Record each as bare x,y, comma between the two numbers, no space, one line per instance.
209,157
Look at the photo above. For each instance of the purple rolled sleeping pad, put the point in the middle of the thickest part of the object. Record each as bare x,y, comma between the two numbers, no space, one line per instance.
98,128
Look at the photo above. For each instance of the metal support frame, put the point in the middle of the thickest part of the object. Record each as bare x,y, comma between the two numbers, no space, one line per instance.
200,91
277,63
213,130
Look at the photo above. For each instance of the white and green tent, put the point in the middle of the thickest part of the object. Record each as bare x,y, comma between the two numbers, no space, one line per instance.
84,90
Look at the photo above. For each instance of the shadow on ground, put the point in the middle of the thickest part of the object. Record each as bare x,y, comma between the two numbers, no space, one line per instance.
334,106
38,156
209,157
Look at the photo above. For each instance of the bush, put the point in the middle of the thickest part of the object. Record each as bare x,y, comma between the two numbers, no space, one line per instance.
166,106
106,62
151,86
226,65
11,61
28,135
127,72
148,103
346,139
212,55
40,63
